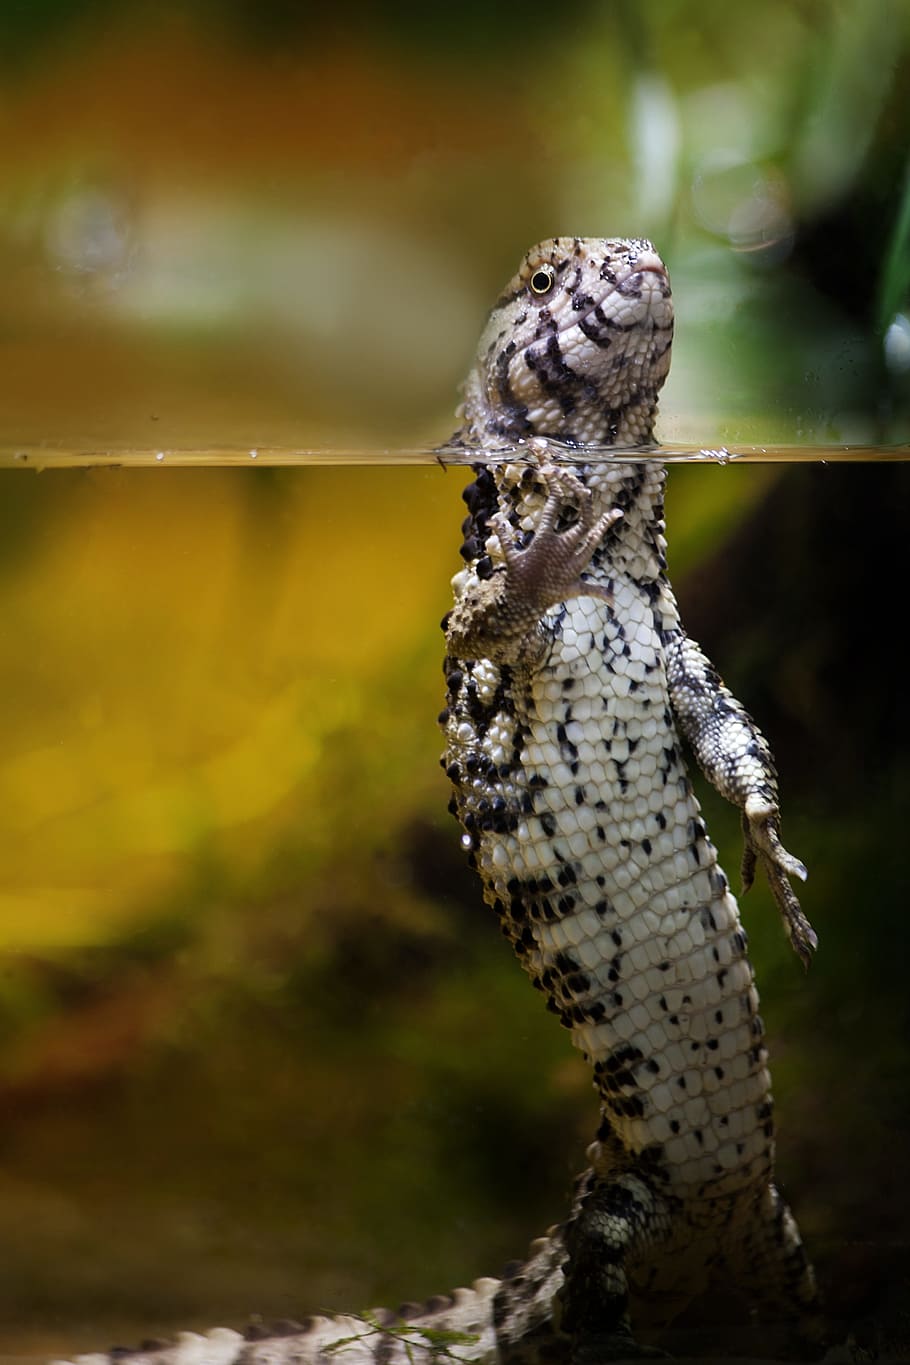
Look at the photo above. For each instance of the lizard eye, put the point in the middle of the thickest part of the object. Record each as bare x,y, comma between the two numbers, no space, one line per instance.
542,280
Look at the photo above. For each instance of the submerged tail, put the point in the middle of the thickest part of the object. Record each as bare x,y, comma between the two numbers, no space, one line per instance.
493,1322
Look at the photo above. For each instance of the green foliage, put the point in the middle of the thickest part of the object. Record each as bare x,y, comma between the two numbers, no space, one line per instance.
437,1343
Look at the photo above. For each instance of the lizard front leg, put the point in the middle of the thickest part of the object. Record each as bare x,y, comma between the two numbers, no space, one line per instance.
735,757
499,618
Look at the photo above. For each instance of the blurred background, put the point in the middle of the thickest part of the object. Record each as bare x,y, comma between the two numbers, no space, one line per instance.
260,223
261,1048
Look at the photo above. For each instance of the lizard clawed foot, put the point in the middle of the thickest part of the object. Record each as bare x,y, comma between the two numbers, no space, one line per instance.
549,570
761,833
500,617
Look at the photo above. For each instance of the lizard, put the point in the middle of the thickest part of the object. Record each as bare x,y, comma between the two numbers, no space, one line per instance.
570,686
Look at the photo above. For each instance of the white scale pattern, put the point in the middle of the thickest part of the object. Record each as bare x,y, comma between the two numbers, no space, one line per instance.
686,1000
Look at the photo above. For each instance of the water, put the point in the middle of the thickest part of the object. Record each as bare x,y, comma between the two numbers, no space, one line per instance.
262,1048
62,457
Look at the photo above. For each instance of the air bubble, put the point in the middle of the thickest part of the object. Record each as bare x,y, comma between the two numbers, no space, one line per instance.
896,345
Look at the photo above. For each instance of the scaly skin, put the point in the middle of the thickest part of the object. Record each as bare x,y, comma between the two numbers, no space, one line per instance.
571,684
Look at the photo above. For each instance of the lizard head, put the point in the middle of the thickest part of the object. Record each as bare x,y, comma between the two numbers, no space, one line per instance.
577,346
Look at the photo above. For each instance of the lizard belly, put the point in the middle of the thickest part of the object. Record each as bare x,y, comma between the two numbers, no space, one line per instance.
591,848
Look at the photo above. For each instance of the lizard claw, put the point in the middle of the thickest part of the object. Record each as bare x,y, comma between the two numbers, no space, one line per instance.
499,523
550,568
761,835
500,617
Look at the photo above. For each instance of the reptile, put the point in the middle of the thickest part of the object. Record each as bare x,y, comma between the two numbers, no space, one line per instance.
572,689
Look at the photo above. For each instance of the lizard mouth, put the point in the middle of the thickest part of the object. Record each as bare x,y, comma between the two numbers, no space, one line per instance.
646,281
